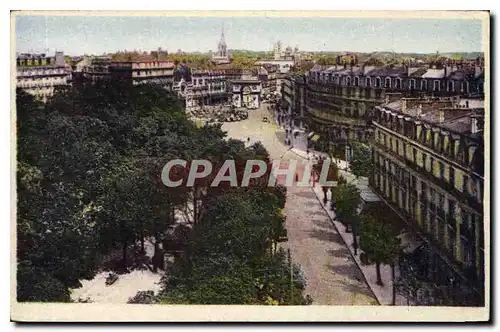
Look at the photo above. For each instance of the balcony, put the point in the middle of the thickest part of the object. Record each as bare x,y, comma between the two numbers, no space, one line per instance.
464,198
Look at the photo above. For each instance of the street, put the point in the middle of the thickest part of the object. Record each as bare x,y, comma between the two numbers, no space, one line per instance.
333,278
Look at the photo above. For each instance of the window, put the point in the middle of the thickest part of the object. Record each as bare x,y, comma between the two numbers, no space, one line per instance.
368,81
397,146
436,85
413,84
466,249
356,81
465,185
387,82
452,176
398,83
414,155
441,170
424,160
423,84
413,182
348,81
451,86
378,82
452,240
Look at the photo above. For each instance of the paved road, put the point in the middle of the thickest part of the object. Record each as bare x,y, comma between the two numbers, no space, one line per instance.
333,278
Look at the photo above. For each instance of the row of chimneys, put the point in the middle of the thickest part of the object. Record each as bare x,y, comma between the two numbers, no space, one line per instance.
478,69
441,115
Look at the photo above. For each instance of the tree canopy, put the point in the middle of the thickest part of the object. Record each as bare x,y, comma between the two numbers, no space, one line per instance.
89,167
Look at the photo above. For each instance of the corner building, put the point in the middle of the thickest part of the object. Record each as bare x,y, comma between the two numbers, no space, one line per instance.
425,125
337,102
429,167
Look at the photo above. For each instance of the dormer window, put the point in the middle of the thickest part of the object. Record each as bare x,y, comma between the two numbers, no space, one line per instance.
480,87
387,82
423,84
398,83
436,85
356,81
348,81
451,86
368,81
413,84
378,82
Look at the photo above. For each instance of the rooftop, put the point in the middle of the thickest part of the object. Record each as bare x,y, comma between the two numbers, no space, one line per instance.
450,114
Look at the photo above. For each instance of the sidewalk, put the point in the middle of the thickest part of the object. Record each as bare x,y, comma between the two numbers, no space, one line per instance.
382,293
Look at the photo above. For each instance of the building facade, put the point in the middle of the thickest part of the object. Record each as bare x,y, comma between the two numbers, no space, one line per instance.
429,167
40,75
424,124
340,99
201,88
143,72
246,93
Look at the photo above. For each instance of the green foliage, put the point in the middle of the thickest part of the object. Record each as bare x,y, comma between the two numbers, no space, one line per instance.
347,200
88,179
231,258
88,182
361,163
379,242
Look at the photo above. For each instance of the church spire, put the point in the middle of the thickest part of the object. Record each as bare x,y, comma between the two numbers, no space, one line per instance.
222,39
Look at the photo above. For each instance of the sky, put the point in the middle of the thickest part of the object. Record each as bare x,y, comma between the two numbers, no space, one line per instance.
78,35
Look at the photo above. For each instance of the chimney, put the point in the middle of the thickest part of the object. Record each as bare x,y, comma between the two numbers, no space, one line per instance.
419,110
477,70
441,116
59,59
474,127
386,99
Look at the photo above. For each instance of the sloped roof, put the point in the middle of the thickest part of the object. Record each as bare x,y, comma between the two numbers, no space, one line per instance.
434,73
419,72
387,71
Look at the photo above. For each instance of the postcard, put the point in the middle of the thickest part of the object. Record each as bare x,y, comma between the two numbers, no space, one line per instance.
250,166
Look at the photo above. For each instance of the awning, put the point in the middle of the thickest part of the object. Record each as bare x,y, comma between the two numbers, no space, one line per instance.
315,138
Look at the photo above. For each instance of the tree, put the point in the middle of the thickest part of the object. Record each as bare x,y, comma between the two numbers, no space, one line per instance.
379,242
89,181
347,201
83,183
361,163
231,256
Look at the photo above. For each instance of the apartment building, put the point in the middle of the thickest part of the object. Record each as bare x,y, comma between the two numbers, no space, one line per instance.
40,75
429,167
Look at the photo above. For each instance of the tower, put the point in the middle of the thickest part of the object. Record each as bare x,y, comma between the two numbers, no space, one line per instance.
222,47
221,56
